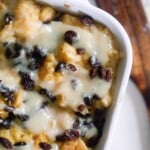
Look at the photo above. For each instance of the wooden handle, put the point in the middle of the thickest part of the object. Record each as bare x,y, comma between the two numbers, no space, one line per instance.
131,15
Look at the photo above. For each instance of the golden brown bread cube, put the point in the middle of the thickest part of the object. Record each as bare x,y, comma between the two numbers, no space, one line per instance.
3,10
47,13
74,145
38,138
18,134
47,72
7,34
7,134
71,20
18,99
27,9
67,54
26,19
3,114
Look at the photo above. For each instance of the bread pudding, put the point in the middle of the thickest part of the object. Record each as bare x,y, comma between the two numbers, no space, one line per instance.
57,73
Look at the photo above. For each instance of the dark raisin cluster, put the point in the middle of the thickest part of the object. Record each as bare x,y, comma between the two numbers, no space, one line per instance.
94,120
61,66
47,94
12,50
58,16
26,81
87,123
8,18
70,36
20,144
7,122
89,100
45,146
69,135
6,143
7,94
80,51
87,20
22,117
36,58
98,70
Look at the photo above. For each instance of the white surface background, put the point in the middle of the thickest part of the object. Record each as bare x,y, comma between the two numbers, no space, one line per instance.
133,128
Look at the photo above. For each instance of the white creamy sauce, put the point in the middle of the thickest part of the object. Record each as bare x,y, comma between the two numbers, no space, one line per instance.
33,102
49,120
9,79
60,121
38,122
55,147
75,85
91,133
74,97
94,41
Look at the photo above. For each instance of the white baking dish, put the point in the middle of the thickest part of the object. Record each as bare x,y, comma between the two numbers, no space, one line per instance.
80,6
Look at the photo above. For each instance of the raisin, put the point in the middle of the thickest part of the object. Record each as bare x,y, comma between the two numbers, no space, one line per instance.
71,67
93,73
9,108
23,117
44,104
94,62
8,18
80,51
43,91
105,74
88,124
37,52
13,50
58,16
76,124
6,143
47,94
60,67
37,56
82,115
60,138
92,141
26,81
33,65
88,101
7,94
20,144
70,36
87,20
69,135
72,134
95,97
81,107
46,22
99,118
45,146
8,122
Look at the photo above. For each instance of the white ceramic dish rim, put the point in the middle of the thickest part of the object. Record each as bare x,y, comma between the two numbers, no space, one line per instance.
78,6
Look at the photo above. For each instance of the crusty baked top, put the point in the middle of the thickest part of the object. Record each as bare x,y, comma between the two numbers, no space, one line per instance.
56,77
